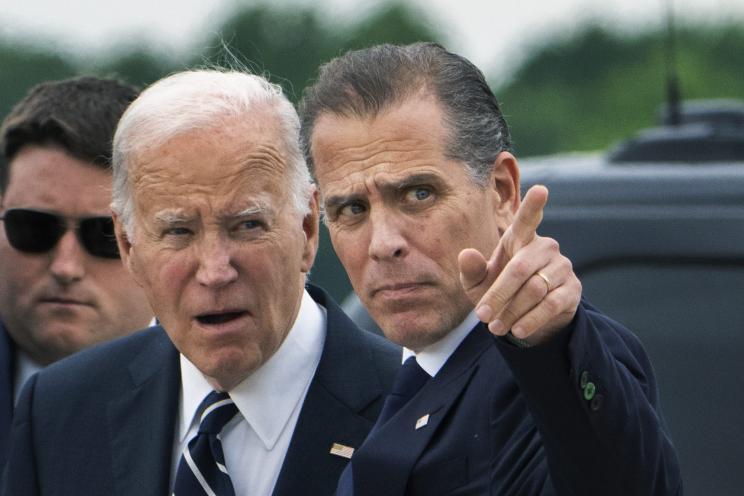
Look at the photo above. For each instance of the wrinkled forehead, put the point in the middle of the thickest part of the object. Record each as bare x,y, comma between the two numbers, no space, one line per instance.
208,148
220,164
232,129
409,136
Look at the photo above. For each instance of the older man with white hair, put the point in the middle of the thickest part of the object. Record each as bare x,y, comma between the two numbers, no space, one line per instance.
254,382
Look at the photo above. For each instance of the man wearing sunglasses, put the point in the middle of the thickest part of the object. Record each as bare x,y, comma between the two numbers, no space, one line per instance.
62,284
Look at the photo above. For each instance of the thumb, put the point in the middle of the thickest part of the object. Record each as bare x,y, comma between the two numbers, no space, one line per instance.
474,274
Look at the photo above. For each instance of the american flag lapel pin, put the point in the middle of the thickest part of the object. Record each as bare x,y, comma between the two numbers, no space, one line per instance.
342,450
422,421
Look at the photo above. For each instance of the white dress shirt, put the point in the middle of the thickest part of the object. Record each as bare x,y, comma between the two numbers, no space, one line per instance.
432,358
255,442
24,369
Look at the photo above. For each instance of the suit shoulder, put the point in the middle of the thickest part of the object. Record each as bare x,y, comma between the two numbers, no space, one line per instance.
380,355
104,362
346,340
383,350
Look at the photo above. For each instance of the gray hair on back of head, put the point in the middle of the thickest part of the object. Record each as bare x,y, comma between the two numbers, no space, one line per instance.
195,99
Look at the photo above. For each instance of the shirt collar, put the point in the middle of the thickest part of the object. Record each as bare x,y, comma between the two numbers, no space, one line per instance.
433,357
267,397
25,368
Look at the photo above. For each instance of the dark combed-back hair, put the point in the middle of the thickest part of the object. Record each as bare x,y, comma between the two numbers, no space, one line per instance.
78,115
364,83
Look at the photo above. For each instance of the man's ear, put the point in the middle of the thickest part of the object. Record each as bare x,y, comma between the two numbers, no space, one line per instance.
125,246
310,228
504,180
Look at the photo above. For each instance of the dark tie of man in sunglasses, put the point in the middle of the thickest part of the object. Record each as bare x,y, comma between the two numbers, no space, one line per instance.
63,286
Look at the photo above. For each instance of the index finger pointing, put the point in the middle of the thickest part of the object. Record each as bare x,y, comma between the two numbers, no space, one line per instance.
529,215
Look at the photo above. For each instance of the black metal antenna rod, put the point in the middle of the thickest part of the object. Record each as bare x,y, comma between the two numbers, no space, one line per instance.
672,82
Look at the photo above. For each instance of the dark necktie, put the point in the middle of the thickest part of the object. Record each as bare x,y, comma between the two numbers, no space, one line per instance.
201,470
408,381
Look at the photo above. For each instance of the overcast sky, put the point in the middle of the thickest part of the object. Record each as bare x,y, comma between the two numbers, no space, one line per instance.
492,33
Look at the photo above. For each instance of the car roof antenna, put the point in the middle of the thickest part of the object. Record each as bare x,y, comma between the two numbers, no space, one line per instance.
672,81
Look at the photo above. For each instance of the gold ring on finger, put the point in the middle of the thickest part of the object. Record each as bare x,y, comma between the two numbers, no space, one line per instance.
545,278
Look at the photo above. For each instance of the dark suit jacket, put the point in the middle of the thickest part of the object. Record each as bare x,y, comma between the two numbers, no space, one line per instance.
7,379
102,422
509,421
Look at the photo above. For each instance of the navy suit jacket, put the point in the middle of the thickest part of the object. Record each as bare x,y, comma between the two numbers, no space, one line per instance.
7,380
502,420
102,422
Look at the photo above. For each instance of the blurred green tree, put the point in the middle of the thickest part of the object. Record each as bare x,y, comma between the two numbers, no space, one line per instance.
394,23
290,44
24,65
284,44
594,88
136,66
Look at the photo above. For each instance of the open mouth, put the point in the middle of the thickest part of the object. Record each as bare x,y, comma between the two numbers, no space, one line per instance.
219,318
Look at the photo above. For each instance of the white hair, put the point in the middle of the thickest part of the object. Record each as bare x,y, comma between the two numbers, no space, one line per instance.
190,100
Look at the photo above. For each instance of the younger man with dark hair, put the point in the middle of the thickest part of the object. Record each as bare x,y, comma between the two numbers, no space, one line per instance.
62,284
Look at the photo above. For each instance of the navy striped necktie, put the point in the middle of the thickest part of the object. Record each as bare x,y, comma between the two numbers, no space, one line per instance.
201,470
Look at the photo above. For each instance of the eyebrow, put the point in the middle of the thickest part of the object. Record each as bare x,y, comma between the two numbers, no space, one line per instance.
413,180
177,216
261,208
334,201
386,187
171,217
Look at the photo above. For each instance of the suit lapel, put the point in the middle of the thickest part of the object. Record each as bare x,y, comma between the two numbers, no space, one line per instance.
142,419
393,449
342,402
7,380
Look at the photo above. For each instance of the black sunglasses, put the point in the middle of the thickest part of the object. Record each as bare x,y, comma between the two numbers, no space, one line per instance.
32,231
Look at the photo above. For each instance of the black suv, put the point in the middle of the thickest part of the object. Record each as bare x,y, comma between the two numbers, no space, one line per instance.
655,230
